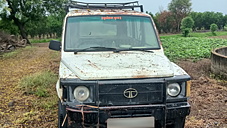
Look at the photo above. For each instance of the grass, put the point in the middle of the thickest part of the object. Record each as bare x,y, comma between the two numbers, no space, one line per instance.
39,83
10,54
42,40
208,34
15,52
27,116
48,103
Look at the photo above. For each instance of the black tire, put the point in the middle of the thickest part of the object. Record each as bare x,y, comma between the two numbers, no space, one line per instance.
76,125
61,115
179,123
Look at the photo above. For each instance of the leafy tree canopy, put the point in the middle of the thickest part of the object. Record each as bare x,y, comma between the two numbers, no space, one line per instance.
25,11
187,22
180,9
165,21
205,19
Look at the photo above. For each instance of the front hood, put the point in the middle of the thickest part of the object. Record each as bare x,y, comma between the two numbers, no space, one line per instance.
123,65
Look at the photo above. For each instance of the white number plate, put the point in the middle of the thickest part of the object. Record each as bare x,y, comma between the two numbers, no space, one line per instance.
141,122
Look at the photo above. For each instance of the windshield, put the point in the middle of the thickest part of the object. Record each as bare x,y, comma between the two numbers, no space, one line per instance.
118,32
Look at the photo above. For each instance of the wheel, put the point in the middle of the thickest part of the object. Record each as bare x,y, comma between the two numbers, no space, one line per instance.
61,115
179,123
77,125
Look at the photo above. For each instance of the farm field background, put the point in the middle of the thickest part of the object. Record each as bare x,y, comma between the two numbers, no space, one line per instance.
36,106
193,48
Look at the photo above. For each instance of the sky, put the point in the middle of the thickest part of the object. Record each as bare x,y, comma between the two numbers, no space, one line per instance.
154,6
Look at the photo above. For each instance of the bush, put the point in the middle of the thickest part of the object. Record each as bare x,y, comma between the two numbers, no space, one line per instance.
38,83
225,27
213,28
186,26
186,31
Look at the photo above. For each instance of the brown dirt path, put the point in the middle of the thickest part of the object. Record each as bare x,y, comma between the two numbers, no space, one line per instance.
219,37
17,109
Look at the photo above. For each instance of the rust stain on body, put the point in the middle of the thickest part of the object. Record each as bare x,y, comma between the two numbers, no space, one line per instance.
106,12
140,76
93,65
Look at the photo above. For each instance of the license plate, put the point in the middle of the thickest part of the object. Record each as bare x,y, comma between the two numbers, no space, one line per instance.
141,122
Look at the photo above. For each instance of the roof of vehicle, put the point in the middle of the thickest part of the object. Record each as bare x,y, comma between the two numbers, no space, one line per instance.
105,12
76,8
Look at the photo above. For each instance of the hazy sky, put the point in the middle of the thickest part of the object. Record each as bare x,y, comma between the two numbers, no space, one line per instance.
154,6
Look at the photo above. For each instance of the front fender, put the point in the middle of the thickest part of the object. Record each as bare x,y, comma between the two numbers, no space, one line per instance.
59,90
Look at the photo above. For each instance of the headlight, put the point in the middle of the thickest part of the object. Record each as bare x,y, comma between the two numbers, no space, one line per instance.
81,93
173,89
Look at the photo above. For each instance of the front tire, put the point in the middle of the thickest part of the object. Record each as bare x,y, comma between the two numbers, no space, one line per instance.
61,115
179,123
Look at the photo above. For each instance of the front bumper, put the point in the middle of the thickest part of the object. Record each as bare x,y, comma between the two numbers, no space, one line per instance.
163,114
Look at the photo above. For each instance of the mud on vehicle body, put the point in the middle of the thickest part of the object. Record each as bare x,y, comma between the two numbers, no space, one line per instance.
113,71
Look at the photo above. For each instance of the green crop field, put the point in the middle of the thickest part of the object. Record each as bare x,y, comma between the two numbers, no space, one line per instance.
178,48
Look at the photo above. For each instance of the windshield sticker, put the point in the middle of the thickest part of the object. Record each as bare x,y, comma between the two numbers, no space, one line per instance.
111,18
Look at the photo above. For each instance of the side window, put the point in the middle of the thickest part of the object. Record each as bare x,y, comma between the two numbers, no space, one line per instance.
150,36
72,34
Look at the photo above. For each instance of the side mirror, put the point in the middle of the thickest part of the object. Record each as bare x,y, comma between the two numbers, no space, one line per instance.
55,45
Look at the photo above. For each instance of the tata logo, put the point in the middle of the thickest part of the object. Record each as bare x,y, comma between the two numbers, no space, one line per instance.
130,93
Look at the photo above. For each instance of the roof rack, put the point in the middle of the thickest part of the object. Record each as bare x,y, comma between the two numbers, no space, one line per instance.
83,5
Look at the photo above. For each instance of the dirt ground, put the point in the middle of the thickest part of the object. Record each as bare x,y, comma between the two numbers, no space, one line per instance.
222,37
17,109
208,95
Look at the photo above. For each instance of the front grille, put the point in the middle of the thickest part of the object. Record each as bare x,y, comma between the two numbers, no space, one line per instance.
148,93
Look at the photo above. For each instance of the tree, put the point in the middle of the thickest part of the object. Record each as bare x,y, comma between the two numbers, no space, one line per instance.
166,21
198,20
37,28
212,17
225,21
225,27
186,26
24,11
205,19
3,7
213,28
179,9
8,27
54,24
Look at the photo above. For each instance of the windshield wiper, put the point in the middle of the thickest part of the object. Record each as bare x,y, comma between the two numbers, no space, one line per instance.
133,49
96,48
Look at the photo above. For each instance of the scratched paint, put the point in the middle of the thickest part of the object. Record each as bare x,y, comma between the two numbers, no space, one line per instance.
109,65
104,12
